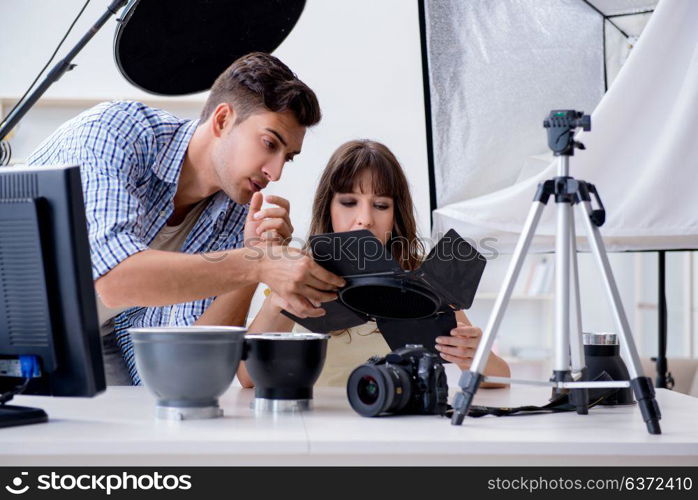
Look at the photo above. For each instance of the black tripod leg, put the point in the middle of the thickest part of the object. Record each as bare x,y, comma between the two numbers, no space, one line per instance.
469,382
644,393
661,361
580,399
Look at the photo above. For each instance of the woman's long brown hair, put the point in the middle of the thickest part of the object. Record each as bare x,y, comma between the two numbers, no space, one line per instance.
342,173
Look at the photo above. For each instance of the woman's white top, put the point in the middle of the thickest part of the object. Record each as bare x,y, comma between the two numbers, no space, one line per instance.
348,349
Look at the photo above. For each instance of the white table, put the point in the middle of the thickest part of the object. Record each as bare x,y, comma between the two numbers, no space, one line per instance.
118,428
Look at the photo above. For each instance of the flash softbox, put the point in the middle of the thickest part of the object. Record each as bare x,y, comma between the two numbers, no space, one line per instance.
179,47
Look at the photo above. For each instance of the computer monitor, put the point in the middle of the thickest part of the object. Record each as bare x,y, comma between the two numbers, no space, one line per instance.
49,334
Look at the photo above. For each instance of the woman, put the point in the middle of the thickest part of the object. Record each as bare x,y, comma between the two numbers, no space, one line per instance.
364,187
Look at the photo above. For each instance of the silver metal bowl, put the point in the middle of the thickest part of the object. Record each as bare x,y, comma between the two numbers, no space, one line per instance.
188,368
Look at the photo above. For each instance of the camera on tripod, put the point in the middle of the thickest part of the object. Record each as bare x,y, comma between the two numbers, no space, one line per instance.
409,380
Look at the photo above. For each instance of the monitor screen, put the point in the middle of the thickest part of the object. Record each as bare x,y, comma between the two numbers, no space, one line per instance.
48,317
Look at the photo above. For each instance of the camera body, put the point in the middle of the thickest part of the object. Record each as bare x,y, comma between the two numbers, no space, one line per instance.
409,380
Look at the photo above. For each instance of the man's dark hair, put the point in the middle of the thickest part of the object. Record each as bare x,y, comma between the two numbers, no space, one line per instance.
261,82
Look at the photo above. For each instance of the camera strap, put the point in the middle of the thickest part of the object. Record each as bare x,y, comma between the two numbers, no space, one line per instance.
560,403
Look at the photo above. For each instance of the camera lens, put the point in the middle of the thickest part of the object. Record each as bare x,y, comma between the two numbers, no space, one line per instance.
368,390
376,389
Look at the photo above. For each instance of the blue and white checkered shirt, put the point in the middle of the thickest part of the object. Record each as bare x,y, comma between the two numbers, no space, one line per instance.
130,157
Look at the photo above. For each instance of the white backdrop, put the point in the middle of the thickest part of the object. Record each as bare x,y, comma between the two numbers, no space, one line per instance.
641,152
494,67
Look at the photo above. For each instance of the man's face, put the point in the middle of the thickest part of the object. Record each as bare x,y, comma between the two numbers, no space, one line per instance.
249,155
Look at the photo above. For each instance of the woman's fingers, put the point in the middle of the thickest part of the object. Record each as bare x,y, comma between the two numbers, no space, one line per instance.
470,342
459,347
466,331
463,364
460,352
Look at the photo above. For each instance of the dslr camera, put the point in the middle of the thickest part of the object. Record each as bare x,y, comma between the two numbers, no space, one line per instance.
409,380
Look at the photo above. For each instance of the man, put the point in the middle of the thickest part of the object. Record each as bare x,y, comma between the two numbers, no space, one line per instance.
166,200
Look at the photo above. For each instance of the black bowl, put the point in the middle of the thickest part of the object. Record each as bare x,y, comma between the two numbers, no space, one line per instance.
284,366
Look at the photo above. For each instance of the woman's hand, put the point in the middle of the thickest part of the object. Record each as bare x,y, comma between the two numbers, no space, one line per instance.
459,347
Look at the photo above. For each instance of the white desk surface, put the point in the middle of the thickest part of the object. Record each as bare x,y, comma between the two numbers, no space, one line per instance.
118,428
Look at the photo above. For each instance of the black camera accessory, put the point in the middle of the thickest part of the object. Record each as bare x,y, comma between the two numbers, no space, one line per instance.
602,355
409,307
409,380
284,368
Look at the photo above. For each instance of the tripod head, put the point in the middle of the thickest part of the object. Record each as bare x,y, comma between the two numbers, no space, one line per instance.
561,125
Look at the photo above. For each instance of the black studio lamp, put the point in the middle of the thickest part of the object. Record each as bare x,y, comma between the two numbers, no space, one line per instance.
179,47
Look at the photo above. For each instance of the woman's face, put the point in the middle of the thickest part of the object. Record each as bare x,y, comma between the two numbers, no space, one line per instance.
362,209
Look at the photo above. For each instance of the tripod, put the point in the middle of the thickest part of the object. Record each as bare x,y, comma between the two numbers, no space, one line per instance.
568,352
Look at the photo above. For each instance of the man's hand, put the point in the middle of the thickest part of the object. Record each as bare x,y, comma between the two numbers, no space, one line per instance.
271,225
299,284
459,347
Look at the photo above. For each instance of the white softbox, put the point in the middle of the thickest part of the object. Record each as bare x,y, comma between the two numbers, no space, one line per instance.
524,58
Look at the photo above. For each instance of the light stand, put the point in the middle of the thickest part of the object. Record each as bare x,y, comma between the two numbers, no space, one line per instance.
56,72
569,354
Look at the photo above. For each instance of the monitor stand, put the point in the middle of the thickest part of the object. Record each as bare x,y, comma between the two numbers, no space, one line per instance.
11,415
